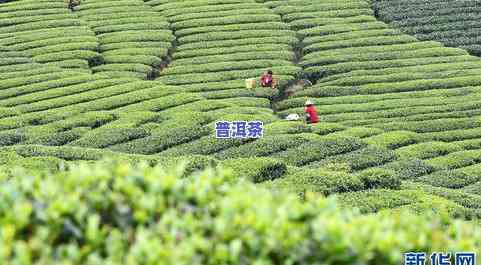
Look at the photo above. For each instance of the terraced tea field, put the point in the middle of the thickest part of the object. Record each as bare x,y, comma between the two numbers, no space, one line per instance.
398,96
453,23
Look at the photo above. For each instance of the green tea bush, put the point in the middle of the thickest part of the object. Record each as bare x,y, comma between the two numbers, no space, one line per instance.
232,57
410,168
90,56
152,198
133,59
234,27
463,136
319,148
116,67
71,79
40,25
123,74
109,136
248,40
375,56
159,52
361,132
256,169
456,160
379,178
57,138
364,35
113,9
393,140
92,46
230,50
358,42
206,145
93,5
473,188
329,13
8,112
11,138
381,64
128,36
79,65
359,159
437,22
467,200
265,146
24,43
162,103
14,61
178,13
68,95
231,11
9,7
22,40
316,180
62,152
453,179
312,22
27,80
219,36
364,50
371,201
225,20
340,28
155,25
285,73
287,9
224,66
162,139
107,19
13,162
134,45
427,150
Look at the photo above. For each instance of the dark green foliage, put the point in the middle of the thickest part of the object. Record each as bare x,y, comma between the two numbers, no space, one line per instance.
265,146
316,180
319,148
360,159
393,140
379,199
453,179
256,169
152,198
410,168
458,196
11,138
427,150
58,138
379,178
439,21
473,188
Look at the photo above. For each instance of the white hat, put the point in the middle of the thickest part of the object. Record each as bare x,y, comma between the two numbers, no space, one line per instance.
308,102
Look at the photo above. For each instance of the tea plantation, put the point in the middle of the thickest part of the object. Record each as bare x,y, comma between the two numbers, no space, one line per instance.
397,86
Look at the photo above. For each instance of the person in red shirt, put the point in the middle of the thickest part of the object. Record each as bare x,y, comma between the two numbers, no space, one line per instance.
311,112
267,79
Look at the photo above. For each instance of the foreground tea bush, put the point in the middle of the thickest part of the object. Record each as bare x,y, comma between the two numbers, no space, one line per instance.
113,213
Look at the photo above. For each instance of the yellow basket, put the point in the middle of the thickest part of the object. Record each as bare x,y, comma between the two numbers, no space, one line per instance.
251,83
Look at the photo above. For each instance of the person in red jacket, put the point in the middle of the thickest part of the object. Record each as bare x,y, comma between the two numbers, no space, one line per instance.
267,79
311,112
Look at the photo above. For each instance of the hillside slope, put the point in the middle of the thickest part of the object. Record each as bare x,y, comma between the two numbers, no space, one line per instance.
451,22
400,117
